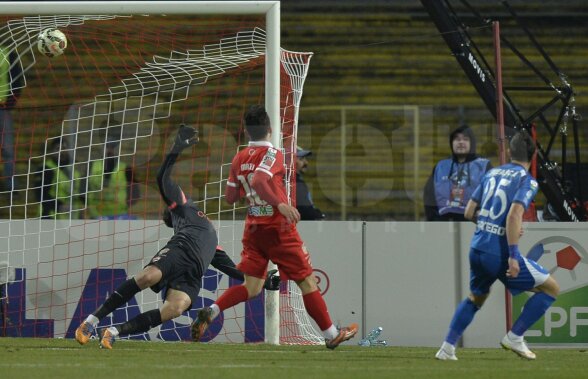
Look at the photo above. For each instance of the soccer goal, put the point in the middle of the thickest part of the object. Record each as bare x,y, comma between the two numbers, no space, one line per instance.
81,212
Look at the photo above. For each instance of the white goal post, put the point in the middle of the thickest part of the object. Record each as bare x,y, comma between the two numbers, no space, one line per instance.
273,53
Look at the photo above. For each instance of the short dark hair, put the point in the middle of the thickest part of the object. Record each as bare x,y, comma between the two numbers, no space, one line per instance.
257,122
522,147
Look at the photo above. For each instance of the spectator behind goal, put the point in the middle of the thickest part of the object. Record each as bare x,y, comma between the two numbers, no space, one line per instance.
112,186
304,203
454,179
57,180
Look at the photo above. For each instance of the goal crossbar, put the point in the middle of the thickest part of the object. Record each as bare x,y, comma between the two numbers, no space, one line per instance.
137,7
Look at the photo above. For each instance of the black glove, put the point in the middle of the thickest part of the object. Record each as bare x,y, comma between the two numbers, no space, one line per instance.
187,136
272,282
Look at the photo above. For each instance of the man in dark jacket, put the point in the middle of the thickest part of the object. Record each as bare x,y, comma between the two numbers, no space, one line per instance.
304,203
454,179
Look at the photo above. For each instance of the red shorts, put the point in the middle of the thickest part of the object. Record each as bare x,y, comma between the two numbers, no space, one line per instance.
262,243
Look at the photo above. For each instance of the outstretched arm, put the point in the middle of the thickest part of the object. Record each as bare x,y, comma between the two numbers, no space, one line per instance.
171,191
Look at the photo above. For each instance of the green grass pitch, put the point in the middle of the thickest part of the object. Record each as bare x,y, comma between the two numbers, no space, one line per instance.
61,358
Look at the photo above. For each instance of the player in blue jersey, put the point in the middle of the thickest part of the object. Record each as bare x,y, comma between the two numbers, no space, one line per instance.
497,207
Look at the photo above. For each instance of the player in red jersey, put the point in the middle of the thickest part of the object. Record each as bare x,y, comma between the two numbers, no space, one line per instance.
257,174
177,269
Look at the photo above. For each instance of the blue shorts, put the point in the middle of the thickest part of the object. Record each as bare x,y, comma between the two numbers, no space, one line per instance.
485,268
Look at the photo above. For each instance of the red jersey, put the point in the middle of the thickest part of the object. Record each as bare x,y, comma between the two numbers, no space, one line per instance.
259,156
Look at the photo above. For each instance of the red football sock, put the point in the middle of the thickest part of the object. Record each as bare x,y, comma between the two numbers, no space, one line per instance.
232,297
317,309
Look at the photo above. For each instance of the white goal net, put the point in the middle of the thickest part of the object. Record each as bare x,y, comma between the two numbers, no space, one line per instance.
80,208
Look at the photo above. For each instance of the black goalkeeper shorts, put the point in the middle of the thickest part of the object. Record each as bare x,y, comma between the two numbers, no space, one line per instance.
180,271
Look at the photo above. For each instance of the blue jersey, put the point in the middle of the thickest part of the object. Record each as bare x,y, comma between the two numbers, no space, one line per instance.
498,190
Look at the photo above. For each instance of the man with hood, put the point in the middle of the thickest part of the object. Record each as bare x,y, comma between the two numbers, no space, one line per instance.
454,179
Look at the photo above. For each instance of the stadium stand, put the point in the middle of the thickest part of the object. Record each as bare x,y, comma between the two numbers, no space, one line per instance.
385,52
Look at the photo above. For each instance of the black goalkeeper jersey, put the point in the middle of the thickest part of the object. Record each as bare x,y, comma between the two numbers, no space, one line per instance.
193,232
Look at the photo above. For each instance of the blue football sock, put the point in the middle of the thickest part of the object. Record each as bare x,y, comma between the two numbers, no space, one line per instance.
464,314
533,310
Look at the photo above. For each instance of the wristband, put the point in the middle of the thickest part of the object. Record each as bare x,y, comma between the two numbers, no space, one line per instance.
513,251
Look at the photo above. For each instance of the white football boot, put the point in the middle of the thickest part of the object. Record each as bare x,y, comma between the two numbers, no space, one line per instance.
446,352
518,347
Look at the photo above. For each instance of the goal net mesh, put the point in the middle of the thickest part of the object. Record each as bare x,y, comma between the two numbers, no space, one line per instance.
83,137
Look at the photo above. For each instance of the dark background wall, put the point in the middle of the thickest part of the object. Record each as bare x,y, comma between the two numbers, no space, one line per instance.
382,95
389,53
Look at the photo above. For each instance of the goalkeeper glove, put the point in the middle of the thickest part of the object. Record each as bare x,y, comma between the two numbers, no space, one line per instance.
272,282
187,136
